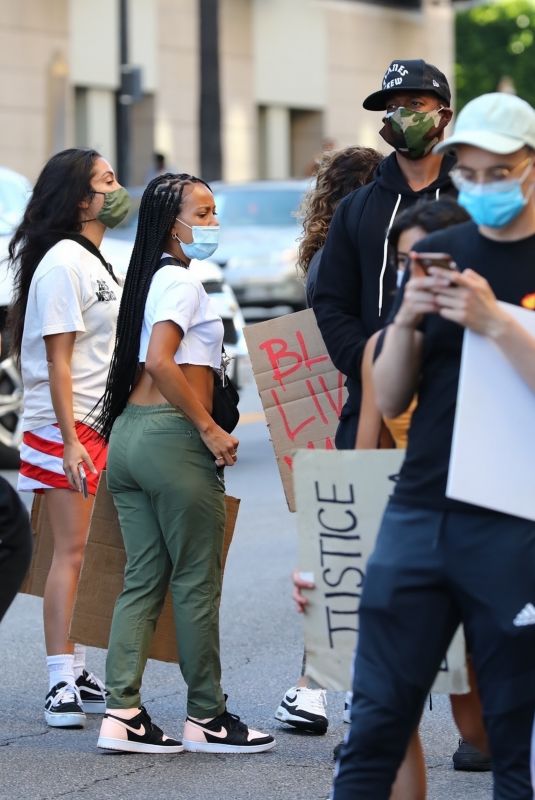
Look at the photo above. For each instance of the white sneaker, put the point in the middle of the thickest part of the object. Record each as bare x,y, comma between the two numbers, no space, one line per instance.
63,707
347,707
305,709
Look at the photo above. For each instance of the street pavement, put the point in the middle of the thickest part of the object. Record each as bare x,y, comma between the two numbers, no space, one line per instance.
261,653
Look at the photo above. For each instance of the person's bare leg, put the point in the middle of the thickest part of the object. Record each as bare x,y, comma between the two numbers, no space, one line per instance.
468,714
410,782
69,515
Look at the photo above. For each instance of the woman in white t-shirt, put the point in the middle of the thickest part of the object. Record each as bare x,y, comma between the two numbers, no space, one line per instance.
63,324
165,471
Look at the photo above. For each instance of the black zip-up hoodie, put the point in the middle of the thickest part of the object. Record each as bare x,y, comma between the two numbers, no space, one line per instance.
356,285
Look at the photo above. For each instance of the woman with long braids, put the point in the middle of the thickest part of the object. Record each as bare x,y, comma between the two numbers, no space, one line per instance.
165,465
63,329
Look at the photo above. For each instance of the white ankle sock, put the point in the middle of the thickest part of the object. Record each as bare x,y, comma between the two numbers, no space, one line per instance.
60,668
79,660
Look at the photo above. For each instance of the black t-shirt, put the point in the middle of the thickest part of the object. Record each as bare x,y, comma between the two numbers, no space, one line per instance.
509,267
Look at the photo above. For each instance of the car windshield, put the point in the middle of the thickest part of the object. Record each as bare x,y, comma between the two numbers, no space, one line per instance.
14,195
248,206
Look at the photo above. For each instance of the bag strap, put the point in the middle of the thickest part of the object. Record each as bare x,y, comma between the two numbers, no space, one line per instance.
91,248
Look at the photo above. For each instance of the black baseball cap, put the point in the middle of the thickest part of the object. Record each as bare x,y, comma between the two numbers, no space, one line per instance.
414,76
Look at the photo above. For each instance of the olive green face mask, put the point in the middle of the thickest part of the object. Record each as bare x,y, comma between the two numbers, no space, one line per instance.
115,208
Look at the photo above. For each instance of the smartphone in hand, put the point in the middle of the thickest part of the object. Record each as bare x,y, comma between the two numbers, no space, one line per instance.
442,260
83,481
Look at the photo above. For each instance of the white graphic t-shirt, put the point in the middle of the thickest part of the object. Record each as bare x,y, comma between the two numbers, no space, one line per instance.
71,291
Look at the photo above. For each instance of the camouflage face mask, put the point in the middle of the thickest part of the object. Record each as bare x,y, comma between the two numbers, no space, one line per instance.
413,133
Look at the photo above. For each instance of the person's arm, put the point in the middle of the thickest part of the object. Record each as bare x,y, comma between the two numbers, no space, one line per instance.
466,298
396,370
337,294
171,382
370,418
59,348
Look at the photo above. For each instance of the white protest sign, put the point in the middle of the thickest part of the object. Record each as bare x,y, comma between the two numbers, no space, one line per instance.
492,462
340,498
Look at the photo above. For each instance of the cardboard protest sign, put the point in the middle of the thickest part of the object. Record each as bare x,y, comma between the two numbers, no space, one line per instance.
302,392
492,460
101,578
340,499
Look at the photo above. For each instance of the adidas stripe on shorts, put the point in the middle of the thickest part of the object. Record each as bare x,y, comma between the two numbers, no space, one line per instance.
41,454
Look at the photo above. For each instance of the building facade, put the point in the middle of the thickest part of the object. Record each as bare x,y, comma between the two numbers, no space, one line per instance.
293,74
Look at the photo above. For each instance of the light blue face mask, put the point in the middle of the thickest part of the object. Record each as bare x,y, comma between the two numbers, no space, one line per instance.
494,204
205,240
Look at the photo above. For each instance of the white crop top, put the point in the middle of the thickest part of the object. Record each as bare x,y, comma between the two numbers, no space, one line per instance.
178,296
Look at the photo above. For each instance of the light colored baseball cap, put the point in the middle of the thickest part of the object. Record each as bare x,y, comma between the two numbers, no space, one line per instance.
498,122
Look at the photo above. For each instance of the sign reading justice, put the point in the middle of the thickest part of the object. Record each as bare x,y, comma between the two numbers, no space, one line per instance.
340,498
302,392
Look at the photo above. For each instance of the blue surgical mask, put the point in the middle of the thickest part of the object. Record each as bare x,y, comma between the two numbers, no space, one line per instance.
205,240
494,204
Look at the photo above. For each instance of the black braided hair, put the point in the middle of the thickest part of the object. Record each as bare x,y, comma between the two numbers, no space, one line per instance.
53,210
160,204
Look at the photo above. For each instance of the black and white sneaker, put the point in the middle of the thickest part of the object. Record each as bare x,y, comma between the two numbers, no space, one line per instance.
224,734
92,693
135,735
304,709
63,707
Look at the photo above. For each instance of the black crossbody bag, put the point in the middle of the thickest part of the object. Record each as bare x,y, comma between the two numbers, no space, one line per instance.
225,396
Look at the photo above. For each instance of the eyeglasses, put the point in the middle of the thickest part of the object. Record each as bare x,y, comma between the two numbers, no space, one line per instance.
460,176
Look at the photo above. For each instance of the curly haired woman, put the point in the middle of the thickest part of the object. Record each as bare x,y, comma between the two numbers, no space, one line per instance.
339,173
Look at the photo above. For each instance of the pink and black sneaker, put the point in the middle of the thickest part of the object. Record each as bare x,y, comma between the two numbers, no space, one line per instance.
224,734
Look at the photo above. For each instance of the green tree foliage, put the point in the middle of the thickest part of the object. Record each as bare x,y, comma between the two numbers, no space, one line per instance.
495,41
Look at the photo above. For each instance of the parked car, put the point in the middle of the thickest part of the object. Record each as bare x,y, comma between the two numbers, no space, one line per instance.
15,190
258,243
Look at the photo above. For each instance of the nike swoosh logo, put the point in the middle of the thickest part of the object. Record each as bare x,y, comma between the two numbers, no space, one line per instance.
139,731
220,734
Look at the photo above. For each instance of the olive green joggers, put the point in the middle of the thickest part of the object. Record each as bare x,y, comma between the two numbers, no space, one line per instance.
169,496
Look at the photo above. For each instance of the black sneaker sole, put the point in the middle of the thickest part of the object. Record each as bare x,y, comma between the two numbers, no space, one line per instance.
467,764
317,726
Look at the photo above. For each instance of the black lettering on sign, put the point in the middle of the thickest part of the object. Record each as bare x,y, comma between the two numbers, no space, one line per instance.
337,625
339,543
334,498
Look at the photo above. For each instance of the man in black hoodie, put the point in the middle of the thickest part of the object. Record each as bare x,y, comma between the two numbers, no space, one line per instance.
356,284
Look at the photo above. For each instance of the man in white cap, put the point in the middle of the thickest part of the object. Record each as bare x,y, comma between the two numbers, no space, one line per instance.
437,561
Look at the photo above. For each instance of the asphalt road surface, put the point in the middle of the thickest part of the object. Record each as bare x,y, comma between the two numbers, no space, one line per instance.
261,653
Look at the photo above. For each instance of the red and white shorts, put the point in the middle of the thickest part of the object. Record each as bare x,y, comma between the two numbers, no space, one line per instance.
41,465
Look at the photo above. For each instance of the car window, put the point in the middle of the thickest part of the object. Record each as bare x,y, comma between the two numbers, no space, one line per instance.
14,195
243,207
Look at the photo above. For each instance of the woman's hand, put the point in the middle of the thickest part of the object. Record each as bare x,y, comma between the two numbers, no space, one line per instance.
300,600
418,297
75,454
222,445
466,298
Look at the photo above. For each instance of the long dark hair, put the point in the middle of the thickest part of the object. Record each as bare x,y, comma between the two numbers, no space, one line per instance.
53,210
160,204
339,173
